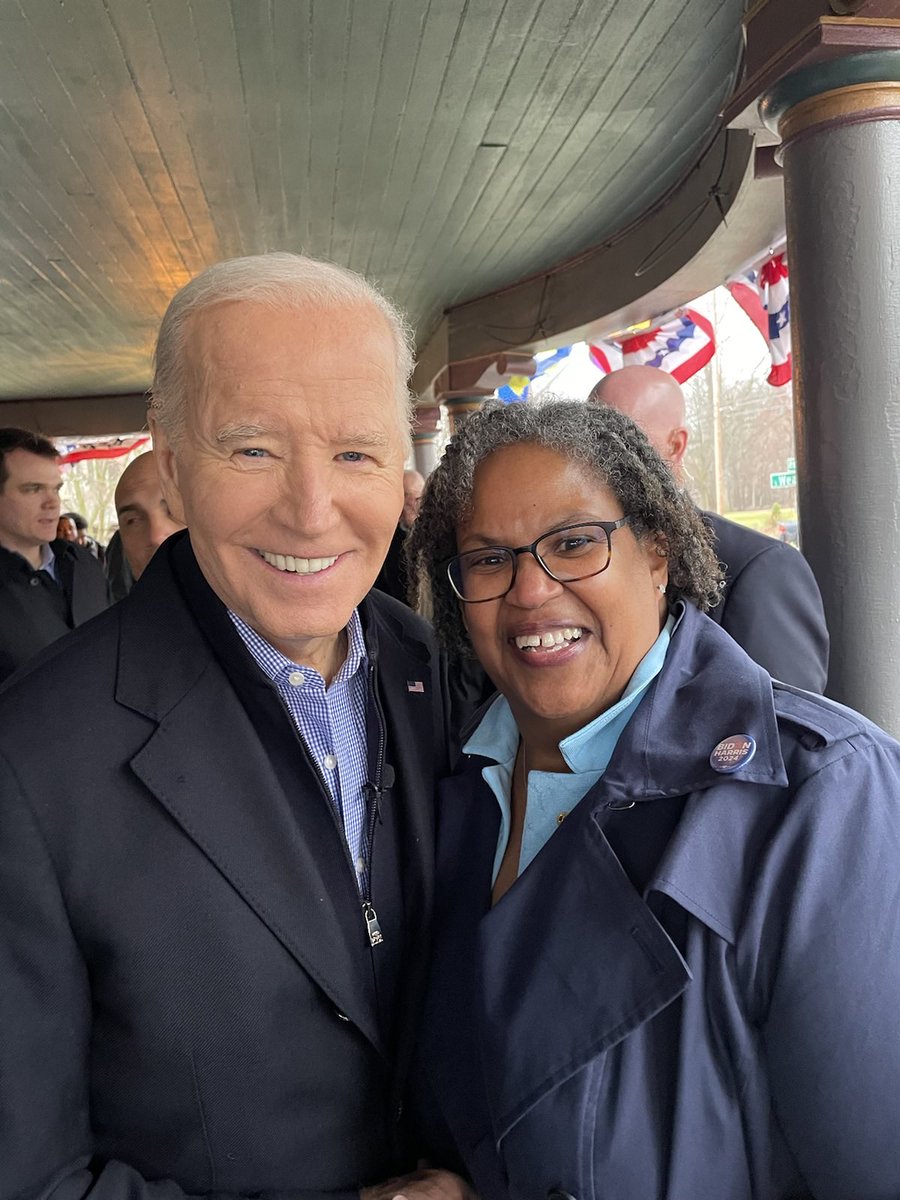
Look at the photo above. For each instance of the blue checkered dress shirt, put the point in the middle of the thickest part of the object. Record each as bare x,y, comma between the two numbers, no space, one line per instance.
332,723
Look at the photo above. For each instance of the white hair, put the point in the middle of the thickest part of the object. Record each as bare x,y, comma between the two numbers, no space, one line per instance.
279,281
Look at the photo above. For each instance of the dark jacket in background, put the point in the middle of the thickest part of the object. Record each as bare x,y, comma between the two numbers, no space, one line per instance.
189,1002
118,572
392,578
35,611
771,604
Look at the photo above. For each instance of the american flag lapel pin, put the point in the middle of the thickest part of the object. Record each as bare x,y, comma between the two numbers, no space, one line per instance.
415,685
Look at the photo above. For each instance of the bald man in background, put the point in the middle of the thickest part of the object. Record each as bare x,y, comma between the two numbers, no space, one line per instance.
771,604
144,518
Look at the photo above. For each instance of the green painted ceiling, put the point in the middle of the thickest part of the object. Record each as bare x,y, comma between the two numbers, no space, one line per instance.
444,148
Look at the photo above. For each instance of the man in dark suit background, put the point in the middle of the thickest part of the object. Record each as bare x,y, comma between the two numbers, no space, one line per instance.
48,585
771,604
215,890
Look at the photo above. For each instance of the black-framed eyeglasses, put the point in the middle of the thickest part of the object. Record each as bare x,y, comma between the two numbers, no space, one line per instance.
567,554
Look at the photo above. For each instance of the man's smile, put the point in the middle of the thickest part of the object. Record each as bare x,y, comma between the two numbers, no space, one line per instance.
296,565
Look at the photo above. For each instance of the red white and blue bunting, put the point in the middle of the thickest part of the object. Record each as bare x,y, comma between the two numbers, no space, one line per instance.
764,295
680,345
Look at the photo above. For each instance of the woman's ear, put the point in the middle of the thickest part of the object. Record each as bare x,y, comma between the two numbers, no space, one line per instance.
658,560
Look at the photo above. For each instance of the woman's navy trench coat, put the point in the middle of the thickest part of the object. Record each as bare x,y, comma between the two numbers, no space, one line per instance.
733,1033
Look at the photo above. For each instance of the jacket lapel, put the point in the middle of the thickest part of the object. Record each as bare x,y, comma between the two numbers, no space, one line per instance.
416,754
415,747
205,764
572,960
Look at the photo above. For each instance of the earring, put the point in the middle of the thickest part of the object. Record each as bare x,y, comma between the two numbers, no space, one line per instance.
661,588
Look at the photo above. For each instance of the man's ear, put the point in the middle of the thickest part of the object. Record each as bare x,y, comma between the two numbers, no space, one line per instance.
167,469
678,442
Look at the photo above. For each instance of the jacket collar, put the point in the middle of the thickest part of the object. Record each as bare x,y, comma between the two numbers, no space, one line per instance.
153,687
708,690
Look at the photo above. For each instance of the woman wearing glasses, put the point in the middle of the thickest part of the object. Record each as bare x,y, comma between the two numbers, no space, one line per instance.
667,943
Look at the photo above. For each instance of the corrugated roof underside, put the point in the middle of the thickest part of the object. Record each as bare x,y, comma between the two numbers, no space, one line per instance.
442,148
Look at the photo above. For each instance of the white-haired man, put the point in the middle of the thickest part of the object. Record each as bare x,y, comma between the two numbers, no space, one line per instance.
214,901
771,604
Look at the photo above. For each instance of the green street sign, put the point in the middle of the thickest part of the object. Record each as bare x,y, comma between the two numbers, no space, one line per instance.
792,464
784,479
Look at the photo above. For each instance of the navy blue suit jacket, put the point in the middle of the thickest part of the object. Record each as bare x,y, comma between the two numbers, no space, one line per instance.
771,604
188,1000
31,616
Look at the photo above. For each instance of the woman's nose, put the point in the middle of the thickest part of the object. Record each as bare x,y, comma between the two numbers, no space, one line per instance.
532,586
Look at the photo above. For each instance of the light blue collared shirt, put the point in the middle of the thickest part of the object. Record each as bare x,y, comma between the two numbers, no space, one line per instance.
48,561
331,720
587,751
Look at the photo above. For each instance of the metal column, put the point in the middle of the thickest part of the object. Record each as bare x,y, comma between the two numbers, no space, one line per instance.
840,128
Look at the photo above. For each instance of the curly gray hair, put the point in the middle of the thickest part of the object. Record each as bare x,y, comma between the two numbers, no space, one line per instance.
611,447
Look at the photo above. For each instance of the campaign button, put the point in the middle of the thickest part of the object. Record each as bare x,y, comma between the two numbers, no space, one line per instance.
732,753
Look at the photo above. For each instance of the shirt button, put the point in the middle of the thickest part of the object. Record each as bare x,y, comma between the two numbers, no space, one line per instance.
34,581
330,762
296,678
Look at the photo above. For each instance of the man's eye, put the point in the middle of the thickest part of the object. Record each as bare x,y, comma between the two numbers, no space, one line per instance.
352,456
253,452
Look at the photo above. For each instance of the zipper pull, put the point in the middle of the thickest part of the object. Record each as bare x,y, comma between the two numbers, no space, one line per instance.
374,929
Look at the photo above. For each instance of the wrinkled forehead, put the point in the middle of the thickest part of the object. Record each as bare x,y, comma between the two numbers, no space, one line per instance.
245,343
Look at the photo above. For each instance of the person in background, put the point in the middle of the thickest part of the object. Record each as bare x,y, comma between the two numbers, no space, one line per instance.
392,576
666,949
144,518
66,529
48,585
215,891
84,538
770,603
